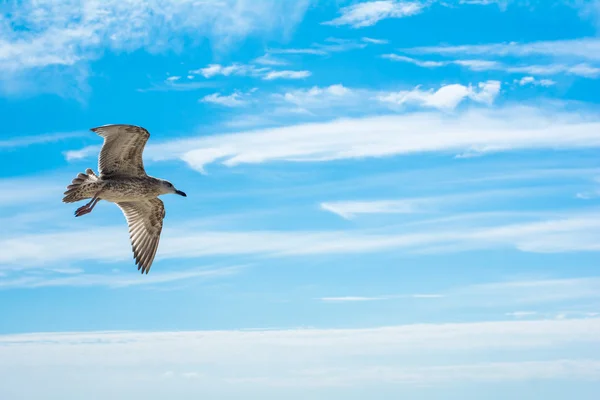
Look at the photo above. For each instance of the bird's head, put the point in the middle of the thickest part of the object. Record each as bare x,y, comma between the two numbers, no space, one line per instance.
167,187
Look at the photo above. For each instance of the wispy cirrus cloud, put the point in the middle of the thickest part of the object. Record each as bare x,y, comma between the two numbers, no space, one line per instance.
337,98
583,49
375,41
266,73
350,209
580,232
581,69
286,74
79,278
236,99
481,130
213,70
58,33
473,130
371,12
24,141
268,59
532,81
352,299
64,38
328,46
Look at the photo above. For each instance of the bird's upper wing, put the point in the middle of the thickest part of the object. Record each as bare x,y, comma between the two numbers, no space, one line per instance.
121,153
145,220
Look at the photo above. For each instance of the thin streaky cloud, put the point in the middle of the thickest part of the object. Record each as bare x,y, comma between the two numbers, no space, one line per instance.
480,130
349,299
81,279
268,59
472,130
67,35
371,12
583,48
319,52
375,41
580,69
272,75
349,209
24,141
568,234
235,99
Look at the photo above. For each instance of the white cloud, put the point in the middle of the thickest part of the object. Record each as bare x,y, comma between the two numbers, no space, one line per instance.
24,141
59,33
345,299
585,48
530,80
317,97
225,363
213,70
374,41
319,52
522,314
581,69
233,100
272,75
447,97
527,291
370,12
81,279
334,45
47,45
268,59
475,130
426,64
502,295
21,191
266,73
579,232
350,208
330,45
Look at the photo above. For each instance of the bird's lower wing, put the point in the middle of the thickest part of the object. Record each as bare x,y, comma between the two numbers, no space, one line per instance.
145,220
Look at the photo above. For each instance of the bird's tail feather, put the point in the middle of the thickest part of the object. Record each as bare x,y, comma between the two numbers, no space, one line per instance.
81,187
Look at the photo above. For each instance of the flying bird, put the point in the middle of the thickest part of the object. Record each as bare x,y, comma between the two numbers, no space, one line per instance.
122,180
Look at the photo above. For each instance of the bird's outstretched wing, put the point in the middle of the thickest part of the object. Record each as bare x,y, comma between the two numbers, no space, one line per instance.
145,220
121,153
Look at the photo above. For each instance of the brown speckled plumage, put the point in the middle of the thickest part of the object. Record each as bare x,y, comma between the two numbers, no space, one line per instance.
122,180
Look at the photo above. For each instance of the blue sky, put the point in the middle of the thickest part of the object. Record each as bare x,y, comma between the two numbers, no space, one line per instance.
385,199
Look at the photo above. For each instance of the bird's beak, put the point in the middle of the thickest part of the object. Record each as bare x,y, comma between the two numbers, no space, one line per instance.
179,192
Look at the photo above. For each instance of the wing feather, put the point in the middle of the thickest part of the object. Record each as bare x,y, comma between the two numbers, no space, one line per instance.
121,153
145,221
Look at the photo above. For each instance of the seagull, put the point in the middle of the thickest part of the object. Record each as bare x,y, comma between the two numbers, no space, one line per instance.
122,180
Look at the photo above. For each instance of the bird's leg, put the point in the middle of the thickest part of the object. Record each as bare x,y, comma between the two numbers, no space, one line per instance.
87,208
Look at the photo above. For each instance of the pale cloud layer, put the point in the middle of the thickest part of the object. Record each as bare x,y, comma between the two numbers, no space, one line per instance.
228,362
